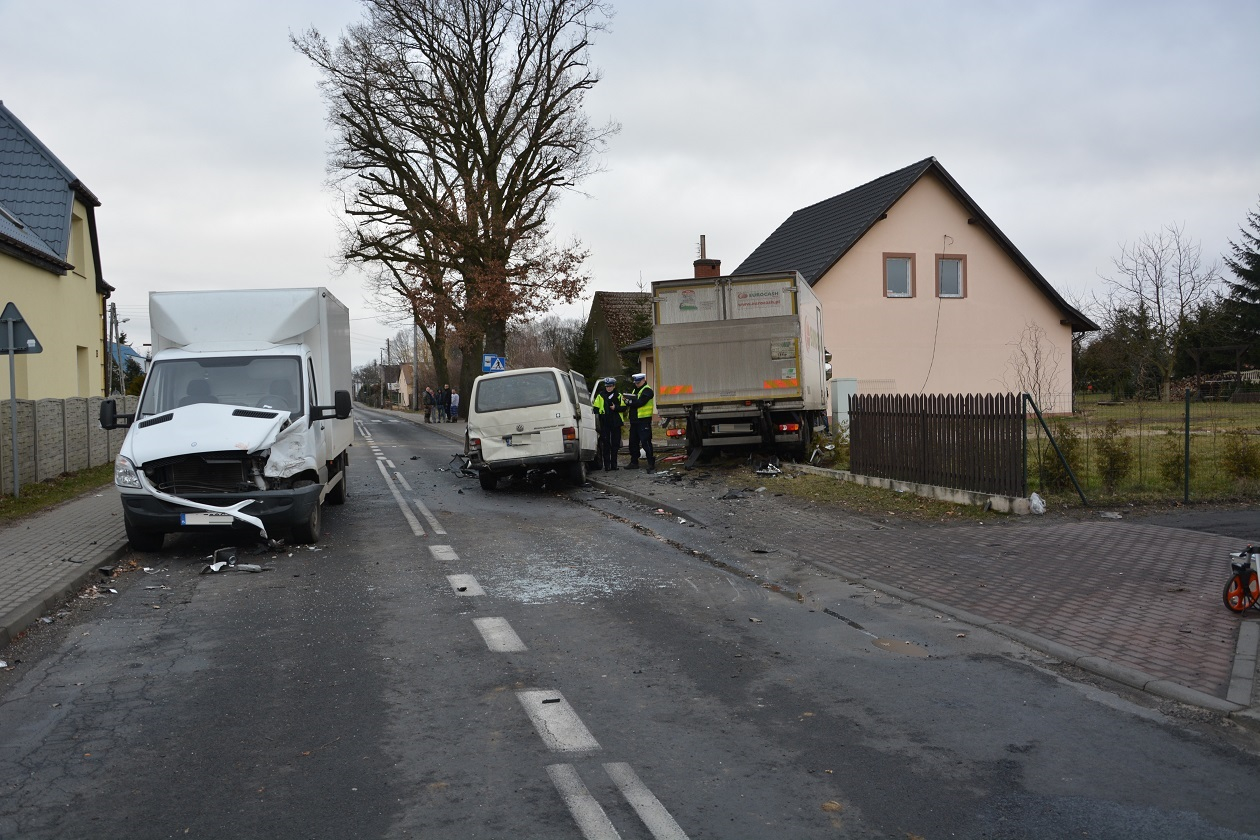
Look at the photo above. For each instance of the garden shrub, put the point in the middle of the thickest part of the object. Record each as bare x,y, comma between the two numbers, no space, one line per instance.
1114,454
1240,455
1053,475
1172,459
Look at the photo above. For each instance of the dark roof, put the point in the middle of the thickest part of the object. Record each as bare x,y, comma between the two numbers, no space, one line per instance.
36,188
814,238
641,344
620,311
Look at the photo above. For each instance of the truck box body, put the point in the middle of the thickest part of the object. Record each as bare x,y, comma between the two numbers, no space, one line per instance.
235,425
741,348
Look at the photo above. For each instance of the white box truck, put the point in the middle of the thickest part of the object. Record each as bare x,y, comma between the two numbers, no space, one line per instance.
243,421
739,360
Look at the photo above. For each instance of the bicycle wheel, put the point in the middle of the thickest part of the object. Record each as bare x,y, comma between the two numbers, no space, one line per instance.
1242,591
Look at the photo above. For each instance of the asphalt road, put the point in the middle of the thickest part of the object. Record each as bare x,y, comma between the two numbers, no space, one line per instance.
544,662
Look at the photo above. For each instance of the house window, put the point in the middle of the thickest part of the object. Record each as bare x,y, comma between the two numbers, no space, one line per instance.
899,275
951,275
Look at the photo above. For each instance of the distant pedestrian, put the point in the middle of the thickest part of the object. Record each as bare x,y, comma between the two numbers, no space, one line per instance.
454,405
429,401
444,404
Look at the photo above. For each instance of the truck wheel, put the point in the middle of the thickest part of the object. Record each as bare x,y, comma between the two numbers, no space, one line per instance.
489,481
337,495
308,531
577,473
142,539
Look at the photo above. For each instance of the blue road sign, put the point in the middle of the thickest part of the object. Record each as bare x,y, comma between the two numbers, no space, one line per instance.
491,363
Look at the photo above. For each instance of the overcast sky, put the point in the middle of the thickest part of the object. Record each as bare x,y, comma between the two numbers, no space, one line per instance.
1077,126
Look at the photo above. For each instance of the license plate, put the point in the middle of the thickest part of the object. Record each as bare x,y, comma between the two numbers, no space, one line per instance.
205,519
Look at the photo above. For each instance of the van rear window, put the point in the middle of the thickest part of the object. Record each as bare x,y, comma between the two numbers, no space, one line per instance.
519,391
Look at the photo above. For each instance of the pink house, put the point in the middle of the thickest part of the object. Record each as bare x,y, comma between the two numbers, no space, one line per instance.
922,293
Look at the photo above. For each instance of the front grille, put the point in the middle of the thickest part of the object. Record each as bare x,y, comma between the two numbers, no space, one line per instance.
201,475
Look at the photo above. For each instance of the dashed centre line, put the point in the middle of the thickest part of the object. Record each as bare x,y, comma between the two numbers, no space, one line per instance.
499,635
648,807
465,585
587,813
555,721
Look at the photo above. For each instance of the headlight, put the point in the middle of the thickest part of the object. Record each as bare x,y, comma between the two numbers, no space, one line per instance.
125,473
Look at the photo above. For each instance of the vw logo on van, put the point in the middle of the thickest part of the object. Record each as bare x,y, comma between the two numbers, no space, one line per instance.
520,427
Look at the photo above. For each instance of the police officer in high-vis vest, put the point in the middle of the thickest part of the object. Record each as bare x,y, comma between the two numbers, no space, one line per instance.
608,407
641,404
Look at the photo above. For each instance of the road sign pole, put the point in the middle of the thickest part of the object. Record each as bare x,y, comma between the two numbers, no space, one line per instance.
13,409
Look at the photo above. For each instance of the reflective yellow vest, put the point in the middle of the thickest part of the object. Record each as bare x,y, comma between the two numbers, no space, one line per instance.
645,409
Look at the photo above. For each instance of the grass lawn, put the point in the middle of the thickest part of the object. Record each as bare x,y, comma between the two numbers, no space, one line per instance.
45,494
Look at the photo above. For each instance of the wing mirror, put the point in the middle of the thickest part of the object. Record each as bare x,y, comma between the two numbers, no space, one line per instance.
111,419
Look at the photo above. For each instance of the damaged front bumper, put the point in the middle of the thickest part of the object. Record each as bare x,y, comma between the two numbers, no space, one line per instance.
276,510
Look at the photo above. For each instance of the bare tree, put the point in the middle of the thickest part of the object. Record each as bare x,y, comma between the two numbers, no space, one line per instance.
1162,277
543,342
458,125
1034,366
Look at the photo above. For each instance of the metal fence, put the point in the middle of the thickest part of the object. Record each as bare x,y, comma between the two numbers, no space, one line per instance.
968,442
1141,449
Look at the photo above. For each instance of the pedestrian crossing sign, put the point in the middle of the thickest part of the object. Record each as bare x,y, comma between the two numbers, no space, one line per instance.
491,363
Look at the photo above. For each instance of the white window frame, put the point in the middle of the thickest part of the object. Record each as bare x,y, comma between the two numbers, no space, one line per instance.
910,278
961,260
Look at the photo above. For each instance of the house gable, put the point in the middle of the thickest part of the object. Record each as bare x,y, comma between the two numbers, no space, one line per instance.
815,238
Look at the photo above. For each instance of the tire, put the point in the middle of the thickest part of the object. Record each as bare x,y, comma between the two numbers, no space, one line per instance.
339,493
489,481
1239,596
142,539
577,473
308,532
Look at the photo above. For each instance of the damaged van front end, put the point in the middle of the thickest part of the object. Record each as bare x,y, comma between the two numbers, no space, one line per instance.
224,443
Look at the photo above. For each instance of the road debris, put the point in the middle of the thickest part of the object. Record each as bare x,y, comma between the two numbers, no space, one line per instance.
1106,514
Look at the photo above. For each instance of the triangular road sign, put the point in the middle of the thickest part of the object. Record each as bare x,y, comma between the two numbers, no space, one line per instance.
24,340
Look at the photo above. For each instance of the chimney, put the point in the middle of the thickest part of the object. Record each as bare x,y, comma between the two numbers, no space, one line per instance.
704,266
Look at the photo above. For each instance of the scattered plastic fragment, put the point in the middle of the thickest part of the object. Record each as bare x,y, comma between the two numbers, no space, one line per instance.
214,568
1109,515
754,620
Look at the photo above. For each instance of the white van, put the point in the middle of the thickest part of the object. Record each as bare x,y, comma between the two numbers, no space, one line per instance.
532,419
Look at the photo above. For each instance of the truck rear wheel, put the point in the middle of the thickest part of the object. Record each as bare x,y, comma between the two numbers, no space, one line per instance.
142,539
308,531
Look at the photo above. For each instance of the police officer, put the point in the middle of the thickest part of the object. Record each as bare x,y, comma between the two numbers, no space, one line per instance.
608,406
640,404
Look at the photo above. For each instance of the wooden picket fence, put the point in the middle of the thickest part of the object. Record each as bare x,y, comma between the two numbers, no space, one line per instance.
967,442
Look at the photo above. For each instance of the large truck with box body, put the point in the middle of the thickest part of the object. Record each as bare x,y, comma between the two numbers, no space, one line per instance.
739,360
243,420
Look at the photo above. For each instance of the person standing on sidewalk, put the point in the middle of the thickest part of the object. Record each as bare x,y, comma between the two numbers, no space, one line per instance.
454,405
444,404
608,407
641,404
428,403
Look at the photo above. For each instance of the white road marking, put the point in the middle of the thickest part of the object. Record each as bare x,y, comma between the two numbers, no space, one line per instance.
399,477
390,464
556,722
465,585
499,635
587,813
433,523
647,806
443,553
402,503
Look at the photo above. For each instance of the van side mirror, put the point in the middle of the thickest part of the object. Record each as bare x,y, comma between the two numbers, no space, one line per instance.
111,419
341,403
340,409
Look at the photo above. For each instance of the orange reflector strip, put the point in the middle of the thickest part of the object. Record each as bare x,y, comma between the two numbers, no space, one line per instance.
781,383
671,390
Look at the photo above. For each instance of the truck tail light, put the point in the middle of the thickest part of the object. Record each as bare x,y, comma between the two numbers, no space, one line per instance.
675,432
789,427
569,433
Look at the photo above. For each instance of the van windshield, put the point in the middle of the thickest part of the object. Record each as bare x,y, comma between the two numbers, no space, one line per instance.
518,391
252,381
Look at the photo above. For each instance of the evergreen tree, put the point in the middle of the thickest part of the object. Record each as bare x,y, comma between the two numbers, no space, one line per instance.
582,356
1244,295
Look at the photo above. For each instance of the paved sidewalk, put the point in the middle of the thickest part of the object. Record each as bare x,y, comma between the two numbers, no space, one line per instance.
1134,602
45,558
